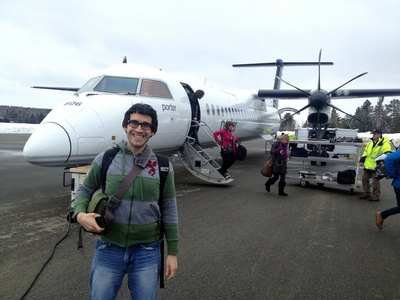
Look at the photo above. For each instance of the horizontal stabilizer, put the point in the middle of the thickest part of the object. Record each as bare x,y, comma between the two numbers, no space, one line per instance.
280,62
69,89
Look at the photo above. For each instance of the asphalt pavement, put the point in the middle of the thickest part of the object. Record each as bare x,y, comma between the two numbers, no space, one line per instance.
237,241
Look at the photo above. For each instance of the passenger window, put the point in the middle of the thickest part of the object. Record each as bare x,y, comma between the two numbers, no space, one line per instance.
153,88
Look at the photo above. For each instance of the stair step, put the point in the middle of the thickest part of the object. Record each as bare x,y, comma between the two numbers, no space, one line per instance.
204,168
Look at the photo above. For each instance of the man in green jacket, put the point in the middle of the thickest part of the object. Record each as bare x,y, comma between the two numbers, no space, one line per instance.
377,146
130,244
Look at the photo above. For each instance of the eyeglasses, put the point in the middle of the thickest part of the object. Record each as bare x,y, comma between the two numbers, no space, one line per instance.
135,124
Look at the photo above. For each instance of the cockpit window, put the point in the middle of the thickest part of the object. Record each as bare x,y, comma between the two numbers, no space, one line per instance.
153,88
119,85
88,85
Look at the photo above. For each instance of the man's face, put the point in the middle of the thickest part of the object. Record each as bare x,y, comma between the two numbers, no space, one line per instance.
376,136
138,137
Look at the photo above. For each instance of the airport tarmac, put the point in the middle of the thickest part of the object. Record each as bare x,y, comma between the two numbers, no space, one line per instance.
237,241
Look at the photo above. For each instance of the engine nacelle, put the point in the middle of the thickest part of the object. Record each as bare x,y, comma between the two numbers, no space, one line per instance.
322,116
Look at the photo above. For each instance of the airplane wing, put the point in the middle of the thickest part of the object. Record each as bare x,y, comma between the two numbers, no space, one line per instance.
282,94
70,89
339,94
364,93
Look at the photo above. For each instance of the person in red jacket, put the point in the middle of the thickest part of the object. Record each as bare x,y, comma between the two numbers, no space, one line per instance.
228,147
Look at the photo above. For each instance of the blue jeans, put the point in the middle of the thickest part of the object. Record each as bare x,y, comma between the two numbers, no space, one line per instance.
110,263
393,210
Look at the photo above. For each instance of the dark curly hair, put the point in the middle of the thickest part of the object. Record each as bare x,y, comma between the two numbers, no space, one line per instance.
143,109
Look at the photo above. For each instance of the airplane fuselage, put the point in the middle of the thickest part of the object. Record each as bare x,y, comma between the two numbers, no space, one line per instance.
90,121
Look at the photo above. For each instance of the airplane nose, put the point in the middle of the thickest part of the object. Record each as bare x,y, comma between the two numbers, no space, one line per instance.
39,151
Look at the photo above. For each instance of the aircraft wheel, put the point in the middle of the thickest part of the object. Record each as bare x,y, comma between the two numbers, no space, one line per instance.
351,191
313,163
320,184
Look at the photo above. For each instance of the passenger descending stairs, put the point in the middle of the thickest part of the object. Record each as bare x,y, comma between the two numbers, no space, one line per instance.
200,163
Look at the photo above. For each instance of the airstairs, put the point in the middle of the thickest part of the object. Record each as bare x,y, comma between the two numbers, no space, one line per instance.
198,162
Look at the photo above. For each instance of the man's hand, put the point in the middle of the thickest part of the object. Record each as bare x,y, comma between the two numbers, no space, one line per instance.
88,221
171,266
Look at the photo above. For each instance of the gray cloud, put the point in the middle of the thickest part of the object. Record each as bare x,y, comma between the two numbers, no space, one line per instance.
64,43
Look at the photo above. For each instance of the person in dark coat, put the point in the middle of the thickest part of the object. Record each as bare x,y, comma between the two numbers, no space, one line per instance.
281,156
392,165
196,114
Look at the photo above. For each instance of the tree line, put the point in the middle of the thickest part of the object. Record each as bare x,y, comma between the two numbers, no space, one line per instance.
17,114
383,116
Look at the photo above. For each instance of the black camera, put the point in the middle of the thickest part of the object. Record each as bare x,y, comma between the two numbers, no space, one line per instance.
102,221
380,171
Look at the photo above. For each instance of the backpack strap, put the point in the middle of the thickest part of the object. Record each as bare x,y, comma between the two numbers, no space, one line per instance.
107,159
105,164
163,168
115,199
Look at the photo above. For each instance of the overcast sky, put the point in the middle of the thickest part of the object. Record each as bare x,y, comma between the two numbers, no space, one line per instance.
64,43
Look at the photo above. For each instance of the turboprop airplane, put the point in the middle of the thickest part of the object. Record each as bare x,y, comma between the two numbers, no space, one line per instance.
319,100
89,122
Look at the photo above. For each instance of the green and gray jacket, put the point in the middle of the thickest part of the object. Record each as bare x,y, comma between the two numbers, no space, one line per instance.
136,219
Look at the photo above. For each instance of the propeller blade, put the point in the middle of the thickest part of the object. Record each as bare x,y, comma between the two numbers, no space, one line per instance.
337,108
297,112
319,70
300,90
347,83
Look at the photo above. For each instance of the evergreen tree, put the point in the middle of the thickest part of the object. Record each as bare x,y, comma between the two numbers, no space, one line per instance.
365,114
288,123
18,114
392,112
379,115
335,119
349,123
